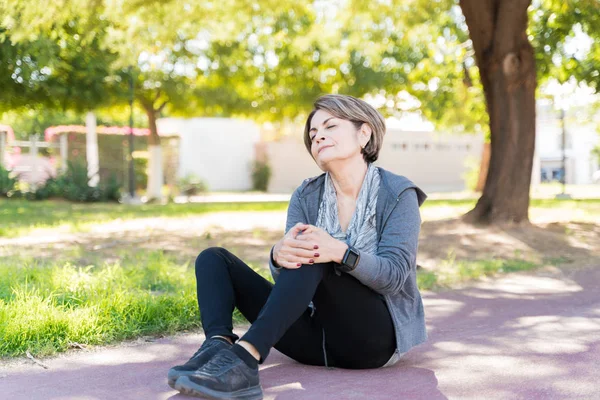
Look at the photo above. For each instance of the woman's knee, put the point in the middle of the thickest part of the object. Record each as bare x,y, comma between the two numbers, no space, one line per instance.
211,258
306,272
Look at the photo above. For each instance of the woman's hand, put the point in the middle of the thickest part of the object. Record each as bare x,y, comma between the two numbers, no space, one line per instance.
330,249
291,253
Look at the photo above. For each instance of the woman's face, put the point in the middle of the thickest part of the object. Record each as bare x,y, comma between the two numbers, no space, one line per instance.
335,139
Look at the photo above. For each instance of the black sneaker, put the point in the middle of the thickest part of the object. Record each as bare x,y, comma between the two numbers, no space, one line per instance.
209,348
225,376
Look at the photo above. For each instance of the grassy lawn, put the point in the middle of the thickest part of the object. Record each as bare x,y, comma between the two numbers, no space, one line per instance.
453,272
18,217
57,296
50,307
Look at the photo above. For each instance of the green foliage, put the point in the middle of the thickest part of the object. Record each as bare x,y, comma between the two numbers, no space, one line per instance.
111,188
44,307
471,176
140,170
73,185
559,30
112,155
65,66
261,174
596,153
191,184
7,182
35,119
269,60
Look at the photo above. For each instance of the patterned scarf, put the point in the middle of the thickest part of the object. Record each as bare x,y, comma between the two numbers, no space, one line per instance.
361,232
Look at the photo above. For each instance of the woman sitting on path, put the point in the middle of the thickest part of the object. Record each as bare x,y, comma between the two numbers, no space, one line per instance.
345,292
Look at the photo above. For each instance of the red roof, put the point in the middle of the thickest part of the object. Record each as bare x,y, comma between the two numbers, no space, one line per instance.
49,133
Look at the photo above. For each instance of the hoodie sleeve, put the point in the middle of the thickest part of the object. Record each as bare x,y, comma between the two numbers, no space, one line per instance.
386,271
294,215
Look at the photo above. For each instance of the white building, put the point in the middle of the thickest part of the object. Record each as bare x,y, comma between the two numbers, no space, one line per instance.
221,152
218,150
437,162
581,138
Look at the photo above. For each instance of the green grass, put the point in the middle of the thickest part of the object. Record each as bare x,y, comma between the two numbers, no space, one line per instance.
18,217
44,308
452,272
591,204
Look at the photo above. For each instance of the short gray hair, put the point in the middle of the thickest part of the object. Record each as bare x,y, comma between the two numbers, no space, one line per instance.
356,111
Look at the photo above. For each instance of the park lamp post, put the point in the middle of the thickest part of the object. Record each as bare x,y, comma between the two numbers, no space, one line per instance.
131,167
563,178
559,93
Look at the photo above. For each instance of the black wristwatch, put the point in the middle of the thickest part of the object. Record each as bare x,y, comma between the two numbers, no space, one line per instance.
350,260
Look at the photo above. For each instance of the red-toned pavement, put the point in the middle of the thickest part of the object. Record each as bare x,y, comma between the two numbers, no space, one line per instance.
519,337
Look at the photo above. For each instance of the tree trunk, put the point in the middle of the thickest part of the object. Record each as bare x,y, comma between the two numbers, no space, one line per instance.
498,29
155,170
483,167
153,139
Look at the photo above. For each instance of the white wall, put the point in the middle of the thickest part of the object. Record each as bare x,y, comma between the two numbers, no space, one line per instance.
437,162
434,161
219,150
582,137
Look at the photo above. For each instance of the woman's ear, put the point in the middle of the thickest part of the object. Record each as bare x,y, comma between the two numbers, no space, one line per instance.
365,134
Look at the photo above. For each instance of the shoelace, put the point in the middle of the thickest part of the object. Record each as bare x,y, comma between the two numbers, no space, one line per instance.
218,362
204,346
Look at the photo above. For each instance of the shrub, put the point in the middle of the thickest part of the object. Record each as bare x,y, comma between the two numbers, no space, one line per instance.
191,184
471,174
7,182
112,188
140,167
261,174
73,185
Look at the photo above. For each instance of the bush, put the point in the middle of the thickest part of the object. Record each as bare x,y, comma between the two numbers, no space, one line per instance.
261,174
7,182
112,188
73,185
140,168
191,184
50,189
471,174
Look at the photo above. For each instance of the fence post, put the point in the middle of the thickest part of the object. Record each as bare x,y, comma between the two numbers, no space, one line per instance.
2,147
63,152
91,149
33,150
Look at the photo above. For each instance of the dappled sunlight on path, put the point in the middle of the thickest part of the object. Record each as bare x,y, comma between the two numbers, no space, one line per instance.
524,336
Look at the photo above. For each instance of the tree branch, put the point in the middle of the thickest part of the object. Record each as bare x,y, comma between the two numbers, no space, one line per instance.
157,96
162,106
479,15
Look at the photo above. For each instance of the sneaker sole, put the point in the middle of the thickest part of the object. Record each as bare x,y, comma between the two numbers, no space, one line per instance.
186,386
172,378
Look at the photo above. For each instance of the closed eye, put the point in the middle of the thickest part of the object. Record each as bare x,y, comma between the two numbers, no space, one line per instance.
328,127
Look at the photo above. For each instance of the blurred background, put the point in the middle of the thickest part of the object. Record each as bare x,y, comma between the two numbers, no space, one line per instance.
158,99
135,134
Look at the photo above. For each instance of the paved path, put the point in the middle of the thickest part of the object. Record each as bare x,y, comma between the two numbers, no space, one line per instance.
520,337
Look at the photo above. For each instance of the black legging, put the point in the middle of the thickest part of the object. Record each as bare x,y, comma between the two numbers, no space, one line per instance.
351,321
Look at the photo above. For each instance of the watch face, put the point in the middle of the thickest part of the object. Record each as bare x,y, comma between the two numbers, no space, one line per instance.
351,259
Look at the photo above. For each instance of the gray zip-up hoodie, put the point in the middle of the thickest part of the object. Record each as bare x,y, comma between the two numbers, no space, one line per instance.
392,271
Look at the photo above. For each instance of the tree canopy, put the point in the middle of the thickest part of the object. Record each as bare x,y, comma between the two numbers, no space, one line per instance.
270,60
